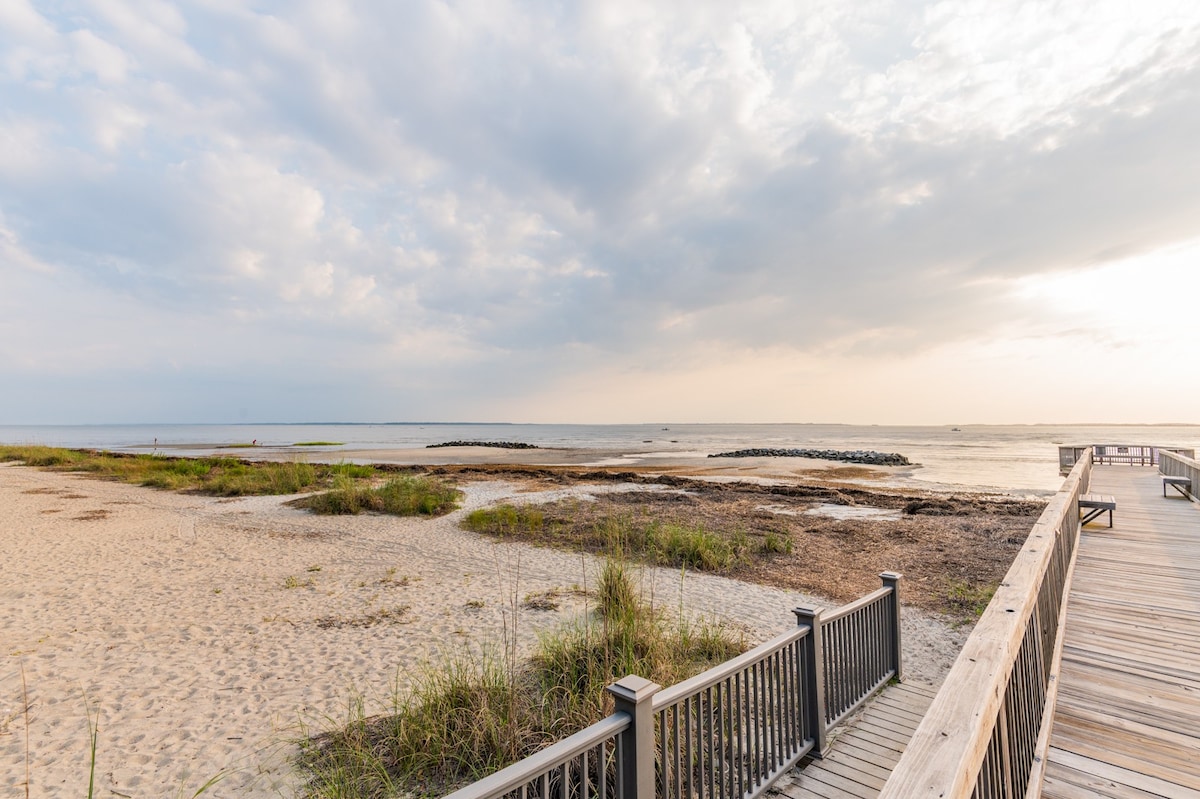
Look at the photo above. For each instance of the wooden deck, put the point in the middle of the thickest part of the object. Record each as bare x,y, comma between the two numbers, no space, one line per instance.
1127,719
865,750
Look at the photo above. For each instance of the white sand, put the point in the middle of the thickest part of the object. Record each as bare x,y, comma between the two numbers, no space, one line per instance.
171,618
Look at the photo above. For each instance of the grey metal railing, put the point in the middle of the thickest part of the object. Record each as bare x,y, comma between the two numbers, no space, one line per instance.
860,642
588,764
987,731
730,732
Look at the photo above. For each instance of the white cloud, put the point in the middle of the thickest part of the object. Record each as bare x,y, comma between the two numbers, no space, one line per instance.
110,64
608,186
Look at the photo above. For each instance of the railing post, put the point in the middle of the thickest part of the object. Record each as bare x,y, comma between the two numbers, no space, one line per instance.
892,580
815,688
635,779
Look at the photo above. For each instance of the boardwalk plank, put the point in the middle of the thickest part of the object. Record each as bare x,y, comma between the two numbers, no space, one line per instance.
864,753
1107,778
852,787
879,750
1127,719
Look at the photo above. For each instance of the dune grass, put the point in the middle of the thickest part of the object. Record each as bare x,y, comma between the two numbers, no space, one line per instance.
470,716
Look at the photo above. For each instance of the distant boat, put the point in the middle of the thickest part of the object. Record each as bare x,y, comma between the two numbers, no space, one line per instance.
955,429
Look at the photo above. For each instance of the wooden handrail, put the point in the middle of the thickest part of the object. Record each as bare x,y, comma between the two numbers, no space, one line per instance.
1017,634
1177,465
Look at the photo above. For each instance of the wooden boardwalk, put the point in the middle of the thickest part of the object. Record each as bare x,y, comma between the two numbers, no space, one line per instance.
865,750
1127,719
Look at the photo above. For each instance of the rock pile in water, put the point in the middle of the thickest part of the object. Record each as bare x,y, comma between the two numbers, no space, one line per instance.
847,456
497,444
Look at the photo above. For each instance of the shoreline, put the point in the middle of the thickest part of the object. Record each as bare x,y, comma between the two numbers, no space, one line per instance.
207,632
682,463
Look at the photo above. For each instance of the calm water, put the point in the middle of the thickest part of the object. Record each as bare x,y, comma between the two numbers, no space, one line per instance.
1021,459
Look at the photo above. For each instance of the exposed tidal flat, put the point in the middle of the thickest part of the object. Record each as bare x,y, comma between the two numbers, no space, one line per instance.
207,633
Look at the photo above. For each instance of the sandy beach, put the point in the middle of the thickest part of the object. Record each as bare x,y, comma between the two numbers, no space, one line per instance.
207,634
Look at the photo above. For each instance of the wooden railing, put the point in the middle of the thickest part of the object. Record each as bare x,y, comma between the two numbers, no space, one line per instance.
730,732
1118,454
987,731
1177,465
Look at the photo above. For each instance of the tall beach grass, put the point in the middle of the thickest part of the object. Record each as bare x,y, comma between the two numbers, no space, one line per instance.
468,716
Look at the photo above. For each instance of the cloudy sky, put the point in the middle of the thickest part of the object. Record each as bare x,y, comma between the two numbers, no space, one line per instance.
866,211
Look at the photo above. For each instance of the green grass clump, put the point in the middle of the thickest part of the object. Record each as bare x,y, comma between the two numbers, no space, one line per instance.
661,543
400,496
469,717
506,520
775,544
969,597
318,443
356,471
673,544
692,546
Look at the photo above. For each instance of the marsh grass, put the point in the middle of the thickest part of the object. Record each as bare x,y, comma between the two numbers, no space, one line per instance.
318,443
677,544
399,496
219,476
775,544
661,543
466,717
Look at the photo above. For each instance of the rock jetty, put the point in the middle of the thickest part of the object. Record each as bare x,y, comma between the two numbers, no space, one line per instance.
497,444
846,456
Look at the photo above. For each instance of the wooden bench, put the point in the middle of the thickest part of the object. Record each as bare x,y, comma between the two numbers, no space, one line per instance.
1096,504
1181,484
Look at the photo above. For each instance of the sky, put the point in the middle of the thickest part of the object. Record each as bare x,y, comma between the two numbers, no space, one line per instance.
959,211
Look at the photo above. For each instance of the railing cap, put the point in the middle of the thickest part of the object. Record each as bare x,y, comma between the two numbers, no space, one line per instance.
808,615
633,688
